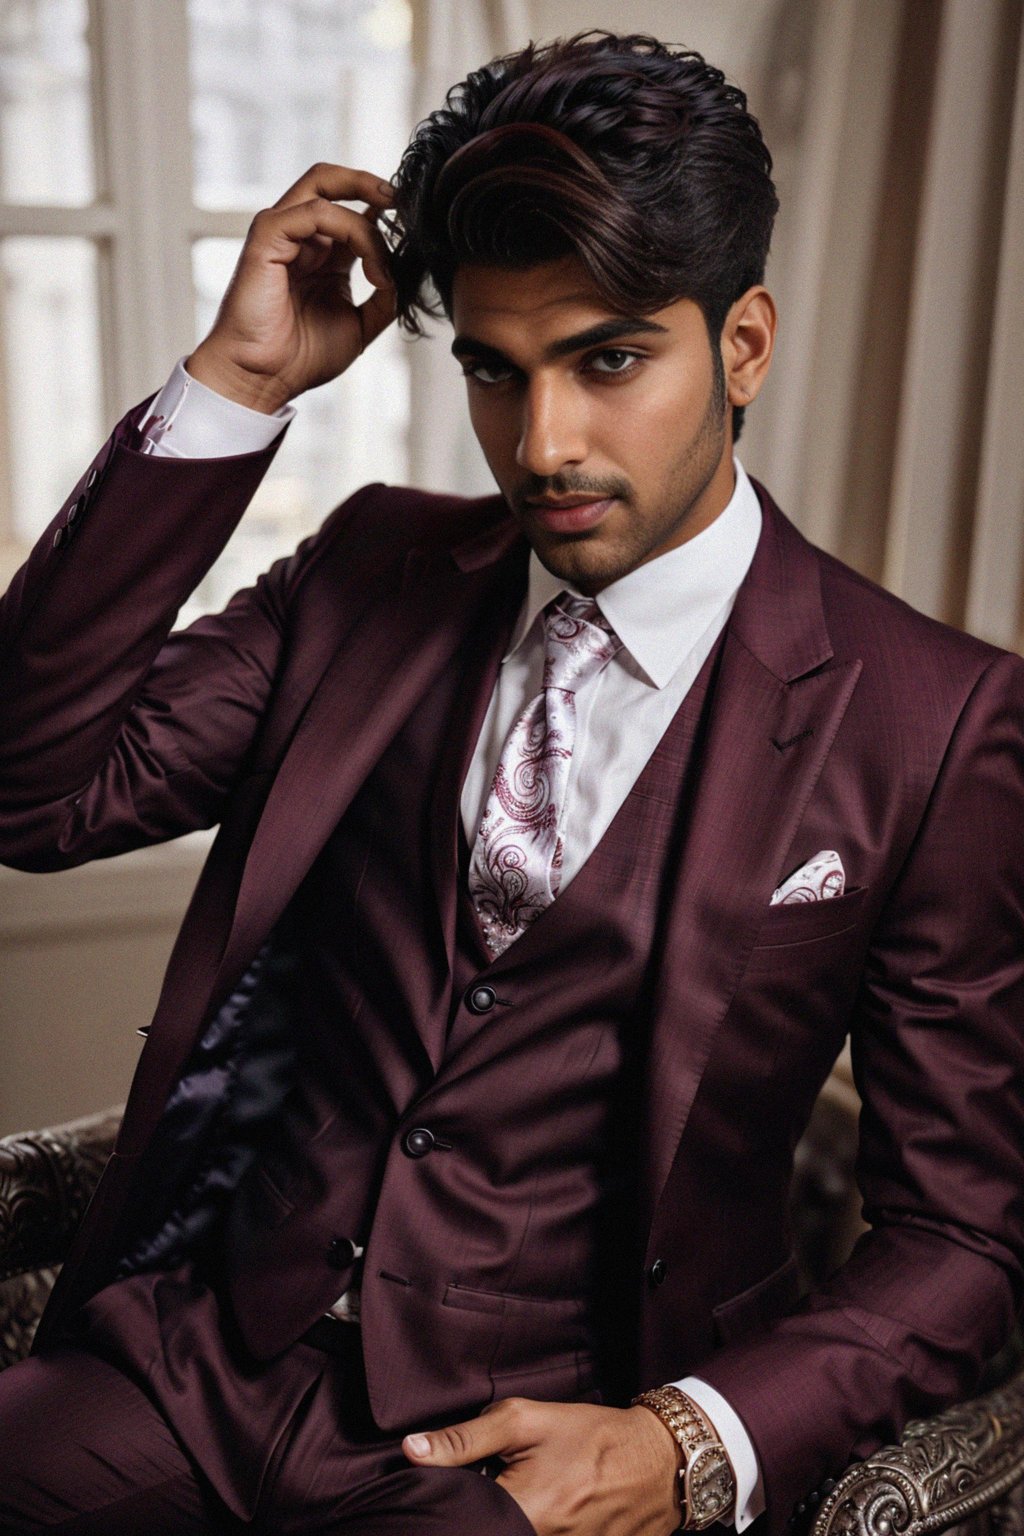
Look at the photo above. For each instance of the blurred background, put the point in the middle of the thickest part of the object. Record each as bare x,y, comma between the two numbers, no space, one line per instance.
137,139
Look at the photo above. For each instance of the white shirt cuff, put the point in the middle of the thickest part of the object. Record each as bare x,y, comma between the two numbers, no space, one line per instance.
187,420
749,1485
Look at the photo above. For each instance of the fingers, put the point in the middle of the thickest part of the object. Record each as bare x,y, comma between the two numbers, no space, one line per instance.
501,1431
338,183
280,234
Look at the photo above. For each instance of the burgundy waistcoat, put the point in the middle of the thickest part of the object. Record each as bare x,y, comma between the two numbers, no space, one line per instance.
469,1122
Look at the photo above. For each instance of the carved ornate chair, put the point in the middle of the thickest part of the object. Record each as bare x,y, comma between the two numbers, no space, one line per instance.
46,1181
962,1470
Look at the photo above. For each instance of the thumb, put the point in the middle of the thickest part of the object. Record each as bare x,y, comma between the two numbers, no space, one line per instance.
376,314
459,1444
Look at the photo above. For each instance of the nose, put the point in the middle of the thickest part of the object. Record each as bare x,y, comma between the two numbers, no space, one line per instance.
553,428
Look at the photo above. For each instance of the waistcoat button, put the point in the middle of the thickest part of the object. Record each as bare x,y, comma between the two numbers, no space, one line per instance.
658,1272
419,1141
481,999
341,1252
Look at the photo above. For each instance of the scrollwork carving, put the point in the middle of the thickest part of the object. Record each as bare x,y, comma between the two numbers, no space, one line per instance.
22,1299
46,1181
944,1471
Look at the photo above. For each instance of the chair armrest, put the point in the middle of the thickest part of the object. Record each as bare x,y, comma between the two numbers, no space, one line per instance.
46,1181
944,1470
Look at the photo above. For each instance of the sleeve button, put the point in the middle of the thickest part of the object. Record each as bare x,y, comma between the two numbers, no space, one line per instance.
60,537
658,1272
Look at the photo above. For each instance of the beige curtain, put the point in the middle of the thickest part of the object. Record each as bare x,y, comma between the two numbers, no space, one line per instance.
892,426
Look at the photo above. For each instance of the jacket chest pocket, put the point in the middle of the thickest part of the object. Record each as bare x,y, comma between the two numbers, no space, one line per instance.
792,1008
790,926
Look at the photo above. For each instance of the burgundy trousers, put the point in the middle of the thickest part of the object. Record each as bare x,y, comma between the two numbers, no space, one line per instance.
152,1418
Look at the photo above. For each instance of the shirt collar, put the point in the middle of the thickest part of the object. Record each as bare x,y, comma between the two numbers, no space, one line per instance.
660,610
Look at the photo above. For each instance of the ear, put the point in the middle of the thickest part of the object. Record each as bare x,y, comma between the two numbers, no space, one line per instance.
748,337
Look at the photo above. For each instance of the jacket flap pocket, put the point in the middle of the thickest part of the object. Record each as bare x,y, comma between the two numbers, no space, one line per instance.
758,1304
510,1304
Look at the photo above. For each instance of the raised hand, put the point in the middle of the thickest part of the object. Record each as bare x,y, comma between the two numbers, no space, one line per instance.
288,321
575,1469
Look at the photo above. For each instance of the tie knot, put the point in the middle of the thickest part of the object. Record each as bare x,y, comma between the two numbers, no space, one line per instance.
579,641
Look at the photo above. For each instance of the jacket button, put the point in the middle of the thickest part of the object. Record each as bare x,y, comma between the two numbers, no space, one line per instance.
419,1141
658,1272
341,1252
481,999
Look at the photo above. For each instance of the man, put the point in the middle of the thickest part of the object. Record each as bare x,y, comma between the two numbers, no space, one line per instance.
468,1109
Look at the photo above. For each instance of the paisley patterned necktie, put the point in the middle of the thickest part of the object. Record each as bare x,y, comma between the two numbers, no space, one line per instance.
516,864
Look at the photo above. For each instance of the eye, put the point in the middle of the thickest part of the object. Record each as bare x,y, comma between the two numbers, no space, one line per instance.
614,360
487,373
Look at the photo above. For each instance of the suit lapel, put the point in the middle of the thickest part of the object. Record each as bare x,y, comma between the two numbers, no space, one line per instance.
776,707
463,729
368,689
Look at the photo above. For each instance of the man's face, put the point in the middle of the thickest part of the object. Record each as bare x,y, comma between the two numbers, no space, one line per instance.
607,434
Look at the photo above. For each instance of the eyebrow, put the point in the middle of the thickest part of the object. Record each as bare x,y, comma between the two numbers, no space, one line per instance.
593,336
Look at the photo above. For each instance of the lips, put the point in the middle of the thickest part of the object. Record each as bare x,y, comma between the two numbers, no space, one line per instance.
571,515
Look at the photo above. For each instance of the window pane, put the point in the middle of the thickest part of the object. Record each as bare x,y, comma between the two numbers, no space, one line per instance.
280,84
48,321
346,434
45,111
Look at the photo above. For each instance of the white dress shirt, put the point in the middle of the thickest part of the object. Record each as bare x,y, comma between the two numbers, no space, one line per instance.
667,613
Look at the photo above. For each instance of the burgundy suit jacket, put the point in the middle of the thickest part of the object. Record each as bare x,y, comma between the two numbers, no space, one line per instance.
842,719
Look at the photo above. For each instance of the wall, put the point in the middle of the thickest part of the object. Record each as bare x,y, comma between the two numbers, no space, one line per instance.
81,957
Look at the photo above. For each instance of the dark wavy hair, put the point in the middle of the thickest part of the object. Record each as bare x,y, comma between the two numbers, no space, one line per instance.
639,159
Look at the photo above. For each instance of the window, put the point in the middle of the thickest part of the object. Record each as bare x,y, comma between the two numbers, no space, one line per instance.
136,142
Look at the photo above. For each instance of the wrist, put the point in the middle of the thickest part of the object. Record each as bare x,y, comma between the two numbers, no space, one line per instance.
707,1482
666,1456
257,392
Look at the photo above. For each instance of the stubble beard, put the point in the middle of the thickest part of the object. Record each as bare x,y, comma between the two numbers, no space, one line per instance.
579,559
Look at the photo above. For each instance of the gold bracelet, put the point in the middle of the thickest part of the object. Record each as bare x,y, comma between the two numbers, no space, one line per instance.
707,1482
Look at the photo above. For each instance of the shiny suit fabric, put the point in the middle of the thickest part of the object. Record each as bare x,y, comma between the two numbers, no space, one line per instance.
839,718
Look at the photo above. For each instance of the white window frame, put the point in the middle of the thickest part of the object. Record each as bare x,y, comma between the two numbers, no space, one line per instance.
143,220
143,223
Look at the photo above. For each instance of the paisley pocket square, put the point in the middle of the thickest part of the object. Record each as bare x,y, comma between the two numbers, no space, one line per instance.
817,880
